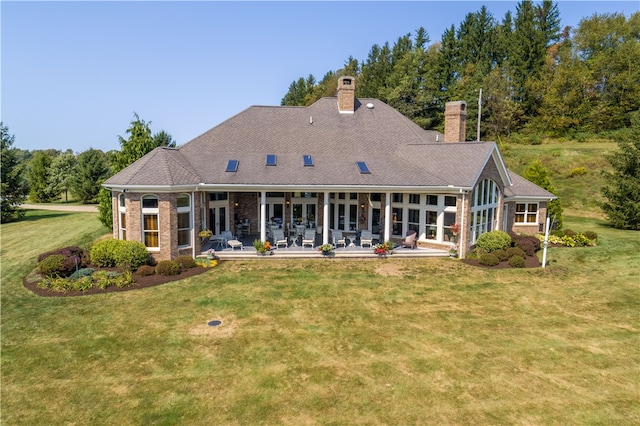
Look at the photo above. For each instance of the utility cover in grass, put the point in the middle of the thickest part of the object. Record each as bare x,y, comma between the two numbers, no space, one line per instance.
214,323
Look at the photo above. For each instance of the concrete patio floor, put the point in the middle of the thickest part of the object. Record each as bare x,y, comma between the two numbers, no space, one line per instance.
297,252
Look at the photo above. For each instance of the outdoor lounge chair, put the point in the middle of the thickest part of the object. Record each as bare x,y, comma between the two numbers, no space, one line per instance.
235,244
366,238
309,238
339,239
279,238
410,239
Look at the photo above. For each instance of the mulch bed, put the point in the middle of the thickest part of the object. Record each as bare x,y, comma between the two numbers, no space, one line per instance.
30,282
529,262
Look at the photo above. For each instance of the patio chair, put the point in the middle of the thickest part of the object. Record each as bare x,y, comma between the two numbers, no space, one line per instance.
235,244
279,239
366,238
339,239
309,238
410,239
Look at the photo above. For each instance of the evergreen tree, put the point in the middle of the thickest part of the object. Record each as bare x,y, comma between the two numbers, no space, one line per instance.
62,168
39,175
163,138
12,191
91,170
538,174
623,183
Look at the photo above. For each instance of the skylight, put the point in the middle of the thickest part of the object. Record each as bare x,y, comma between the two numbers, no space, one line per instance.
363,168
308,160
232,166
271,159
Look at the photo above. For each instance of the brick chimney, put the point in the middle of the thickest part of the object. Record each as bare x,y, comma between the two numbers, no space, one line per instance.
455,120
346,95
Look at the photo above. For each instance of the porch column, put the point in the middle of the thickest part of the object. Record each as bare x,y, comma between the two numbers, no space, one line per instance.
263,214
387,216
325,219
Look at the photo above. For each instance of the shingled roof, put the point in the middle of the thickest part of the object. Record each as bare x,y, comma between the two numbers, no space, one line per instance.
397,152
524,189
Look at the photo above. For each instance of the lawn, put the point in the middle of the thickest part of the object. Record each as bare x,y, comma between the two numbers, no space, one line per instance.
326,341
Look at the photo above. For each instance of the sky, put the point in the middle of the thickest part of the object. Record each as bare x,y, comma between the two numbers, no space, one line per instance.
73,73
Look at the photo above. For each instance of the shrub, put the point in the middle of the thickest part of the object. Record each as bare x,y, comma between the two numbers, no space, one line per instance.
488,259
102,253
123,280
516,251
121,253
51,265
557,233
591,235
146,270
186,262
501,255
494,240
84,272
569,233
577,171
528,243
168,267
130,254
73,258
516,261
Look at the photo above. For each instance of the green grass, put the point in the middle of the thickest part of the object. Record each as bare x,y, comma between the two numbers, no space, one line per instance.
327,341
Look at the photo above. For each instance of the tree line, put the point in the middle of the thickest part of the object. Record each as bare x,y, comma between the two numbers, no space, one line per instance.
537,78
45,176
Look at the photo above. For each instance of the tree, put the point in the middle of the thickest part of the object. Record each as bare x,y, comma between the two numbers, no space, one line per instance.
39,175
91,170
538,174
12,192
623,183
163,138
62,168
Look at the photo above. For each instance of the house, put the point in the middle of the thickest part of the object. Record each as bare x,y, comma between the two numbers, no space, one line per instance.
343,163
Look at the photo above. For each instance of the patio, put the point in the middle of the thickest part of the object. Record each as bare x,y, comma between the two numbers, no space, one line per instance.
297,252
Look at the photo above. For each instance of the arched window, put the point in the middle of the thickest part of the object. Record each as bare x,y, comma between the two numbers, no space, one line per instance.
484,208
122,217
150,221
184,220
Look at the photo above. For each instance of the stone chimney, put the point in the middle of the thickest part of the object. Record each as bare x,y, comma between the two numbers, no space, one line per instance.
455,121
346,95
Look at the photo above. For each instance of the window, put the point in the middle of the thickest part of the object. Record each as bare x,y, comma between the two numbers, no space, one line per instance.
150,221
484,208
397,197
414,198
218,196
413,220
308,160
271,160
232,166
184,220
432,200
122,216
363,168
431,224
526,213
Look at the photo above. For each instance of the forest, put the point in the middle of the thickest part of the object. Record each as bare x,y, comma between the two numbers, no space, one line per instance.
538,79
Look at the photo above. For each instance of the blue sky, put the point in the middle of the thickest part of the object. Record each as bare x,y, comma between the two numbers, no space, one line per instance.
73,73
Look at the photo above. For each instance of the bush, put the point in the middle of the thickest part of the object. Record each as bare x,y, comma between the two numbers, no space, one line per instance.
121,253
516,261
130,254
186,262
146,270
528,243
73,258
168,267
492,241
488,259
102,253
569,233
577,171
591,235
516,251
51,265
84,272
501,255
